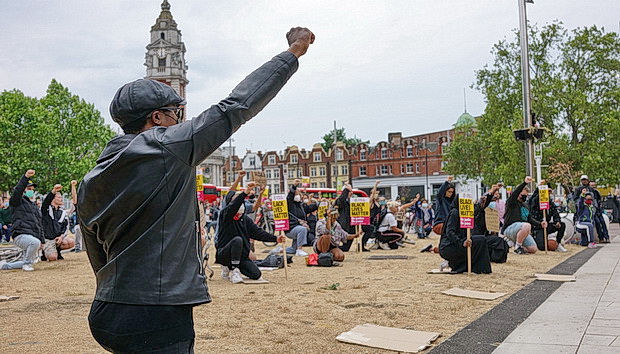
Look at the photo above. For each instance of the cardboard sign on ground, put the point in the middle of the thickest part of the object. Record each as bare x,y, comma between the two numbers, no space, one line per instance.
473,294
439,271
260,280
387,256
8,298
555,277
397,339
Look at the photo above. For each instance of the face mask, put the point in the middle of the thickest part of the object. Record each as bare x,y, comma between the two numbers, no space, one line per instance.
297,198
588,201
29,193
241,210
523,197
557,204
305,200
424,205
382,202
493,205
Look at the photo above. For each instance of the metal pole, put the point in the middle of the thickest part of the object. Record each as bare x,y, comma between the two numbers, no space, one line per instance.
232,173
335,158
525,76
428,194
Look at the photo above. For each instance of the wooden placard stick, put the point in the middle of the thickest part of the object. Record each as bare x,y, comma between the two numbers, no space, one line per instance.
284,256
469,252
358,230
545,229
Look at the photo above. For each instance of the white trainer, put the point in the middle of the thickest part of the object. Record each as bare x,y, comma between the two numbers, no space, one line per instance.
384,246
301,253
2,263
561,248
27,268
235,276
225,272
276,250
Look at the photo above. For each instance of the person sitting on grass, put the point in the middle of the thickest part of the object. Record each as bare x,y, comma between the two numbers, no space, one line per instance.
388,232
332,235
453,245
55,224
518,220
235,232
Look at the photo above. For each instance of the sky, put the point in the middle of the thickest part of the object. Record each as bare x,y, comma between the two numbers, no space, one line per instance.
375,67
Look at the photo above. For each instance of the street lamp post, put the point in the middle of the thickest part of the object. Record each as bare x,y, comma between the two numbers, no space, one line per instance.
525,77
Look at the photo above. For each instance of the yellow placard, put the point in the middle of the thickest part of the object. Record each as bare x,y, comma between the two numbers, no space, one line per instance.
322,209
199,182
279,207
265,192
543,195
466,208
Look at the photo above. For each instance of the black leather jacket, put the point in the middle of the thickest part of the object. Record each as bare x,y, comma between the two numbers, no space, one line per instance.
137,206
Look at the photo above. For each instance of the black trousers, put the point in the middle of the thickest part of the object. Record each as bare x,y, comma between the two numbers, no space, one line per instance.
456,255
123,328
539,235
231,255
601,227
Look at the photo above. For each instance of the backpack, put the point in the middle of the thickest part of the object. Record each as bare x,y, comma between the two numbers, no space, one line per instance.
326,259
273,261
498,249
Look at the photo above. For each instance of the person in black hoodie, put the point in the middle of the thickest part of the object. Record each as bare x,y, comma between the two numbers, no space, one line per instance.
27,233
453,245
554,222
234,236
55,224
445,197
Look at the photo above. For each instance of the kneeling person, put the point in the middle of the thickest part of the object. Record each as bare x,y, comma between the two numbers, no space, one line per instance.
234,234
55,224
389,233
332,236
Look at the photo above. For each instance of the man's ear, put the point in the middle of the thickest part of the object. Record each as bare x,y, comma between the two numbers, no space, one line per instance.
156,118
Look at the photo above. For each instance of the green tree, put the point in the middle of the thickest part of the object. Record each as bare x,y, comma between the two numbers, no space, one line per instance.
575,80
328,139
59,135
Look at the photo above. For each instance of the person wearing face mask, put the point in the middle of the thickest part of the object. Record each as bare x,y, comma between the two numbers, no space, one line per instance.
445,197
518,220
585,218
480,223
236,231
554,222
55,224
27,232
298,219
332,235
6,221
425,215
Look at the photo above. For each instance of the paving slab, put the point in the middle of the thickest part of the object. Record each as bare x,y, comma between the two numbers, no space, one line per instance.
512,348
605,341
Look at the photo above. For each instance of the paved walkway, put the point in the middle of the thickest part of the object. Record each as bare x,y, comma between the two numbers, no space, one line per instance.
580,317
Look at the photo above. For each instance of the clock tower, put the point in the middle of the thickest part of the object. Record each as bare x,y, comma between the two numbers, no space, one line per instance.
165,55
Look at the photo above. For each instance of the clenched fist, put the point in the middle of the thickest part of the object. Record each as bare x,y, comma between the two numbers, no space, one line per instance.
29,173
299,39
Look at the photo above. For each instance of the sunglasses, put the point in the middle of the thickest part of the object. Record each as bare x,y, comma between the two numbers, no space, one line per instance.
178,111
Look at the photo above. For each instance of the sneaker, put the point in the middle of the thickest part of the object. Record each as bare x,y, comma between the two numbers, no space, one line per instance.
43,258
444,265
60,257
301,253
427,248
235,276
561,249
225,272
520,250
27,268
2,263
364,249
384,246
592,245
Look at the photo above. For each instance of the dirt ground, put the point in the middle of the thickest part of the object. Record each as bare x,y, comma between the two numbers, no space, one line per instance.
294,316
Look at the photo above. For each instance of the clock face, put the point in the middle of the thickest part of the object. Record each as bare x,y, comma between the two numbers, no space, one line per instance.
162,24
161,53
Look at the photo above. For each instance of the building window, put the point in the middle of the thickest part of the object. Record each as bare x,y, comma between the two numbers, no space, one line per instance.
344,169
313,185
276,173
409,168
402,169
290,173
384,170
417,168
317,157
312,171
443,164
267,173
362,171
323,185
276,188
321,171
162,35
252,161
334,170
161,62
294,158
390,168
339,154
363,155
409,151
376,170
272,160
384,153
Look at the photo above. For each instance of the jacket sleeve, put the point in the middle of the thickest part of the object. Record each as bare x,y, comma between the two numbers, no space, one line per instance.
195,140
257,233
18,192
310,208
45,205
96,254
441,193
290,197
453,228
512,200
342,199
321,228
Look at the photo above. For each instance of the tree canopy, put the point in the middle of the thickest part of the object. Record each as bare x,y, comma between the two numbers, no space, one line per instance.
60,136
575,88
328,139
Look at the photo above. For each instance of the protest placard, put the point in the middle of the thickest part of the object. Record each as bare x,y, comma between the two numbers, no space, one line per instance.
280,212
305,181
360,210
322,209
543,197
491,217
258,177
466,211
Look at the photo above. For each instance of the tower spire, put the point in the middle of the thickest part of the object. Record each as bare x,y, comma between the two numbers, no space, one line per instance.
464,100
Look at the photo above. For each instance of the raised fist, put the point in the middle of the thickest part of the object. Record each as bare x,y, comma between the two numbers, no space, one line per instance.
299,39
250,186
29,173
57,188
450,178
74,183
241,173
528,179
